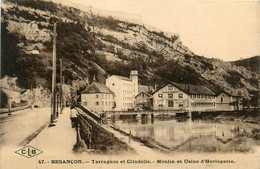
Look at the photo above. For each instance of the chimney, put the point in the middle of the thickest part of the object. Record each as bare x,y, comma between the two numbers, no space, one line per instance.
94,78
155,87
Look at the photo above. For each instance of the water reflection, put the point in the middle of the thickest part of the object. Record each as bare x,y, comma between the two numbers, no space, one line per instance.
190,135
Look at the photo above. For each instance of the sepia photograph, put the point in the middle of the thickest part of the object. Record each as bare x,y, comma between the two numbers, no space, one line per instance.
130,84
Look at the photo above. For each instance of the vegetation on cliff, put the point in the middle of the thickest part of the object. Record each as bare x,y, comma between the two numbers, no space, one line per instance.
92,44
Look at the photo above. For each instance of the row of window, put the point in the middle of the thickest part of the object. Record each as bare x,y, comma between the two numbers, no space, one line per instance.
170,104
203,104
103,103
170,96
127,92
127,98
180,95
105,96
127,85
202,96
127,104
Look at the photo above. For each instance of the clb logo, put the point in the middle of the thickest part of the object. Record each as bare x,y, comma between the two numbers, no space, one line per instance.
29,151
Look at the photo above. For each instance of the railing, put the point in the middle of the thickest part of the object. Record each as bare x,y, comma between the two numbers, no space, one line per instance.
84,130
94,116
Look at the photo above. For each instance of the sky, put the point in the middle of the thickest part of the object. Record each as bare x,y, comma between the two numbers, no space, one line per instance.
218,29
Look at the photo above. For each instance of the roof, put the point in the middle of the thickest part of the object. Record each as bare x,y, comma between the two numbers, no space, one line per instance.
191,89
144,93
122,77
96,87
143,88
233,95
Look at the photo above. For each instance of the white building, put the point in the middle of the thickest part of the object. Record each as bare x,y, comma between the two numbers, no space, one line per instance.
125,90
98,97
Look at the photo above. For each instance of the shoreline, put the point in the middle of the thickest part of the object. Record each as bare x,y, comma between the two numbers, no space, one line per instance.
242,117
252,116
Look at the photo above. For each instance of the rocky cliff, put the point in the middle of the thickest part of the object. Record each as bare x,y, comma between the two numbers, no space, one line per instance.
92,44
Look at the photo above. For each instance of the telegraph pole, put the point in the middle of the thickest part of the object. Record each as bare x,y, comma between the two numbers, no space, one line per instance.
53,91
61,81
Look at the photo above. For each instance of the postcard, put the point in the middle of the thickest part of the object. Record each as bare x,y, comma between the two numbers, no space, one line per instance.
129,84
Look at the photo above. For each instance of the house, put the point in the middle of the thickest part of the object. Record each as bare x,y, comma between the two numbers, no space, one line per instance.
125,90
177,96
10,88
228,102
142,101
98,97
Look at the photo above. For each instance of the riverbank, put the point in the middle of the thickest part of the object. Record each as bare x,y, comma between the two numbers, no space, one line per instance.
104,142
206,132
252,116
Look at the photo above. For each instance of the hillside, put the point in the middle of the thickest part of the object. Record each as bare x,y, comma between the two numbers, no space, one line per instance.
251,64
91,44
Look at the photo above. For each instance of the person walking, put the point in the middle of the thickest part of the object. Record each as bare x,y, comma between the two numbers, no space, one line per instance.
73,117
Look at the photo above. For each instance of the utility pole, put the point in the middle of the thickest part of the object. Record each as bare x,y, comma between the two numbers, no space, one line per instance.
61,81
65,94
57,104
53,91
10,105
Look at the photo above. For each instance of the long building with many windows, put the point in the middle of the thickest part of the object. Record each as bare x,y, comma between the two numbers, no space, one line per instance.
125,90
176,96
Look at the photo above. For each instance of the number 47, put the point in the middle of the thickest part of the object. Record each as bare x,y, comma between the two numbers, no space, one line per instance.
41,161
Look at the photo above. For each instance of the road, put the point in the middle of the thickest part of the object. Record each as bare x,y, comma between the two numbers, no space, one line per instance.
22,126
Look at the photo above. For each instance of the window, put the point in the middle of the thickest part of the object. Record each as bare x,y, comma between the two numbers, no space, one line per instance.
97,103
160,105
180,105
180,95
142,95
170,87
96,96
113,84
170,96
170,103
221,99
160,95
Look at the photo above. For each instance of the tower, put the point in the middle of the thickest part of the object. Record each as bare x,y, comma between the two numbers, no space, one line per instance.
134,79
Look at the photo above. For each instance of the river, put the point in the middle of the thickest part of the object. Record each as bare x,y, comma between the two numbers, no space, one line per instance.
192,135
